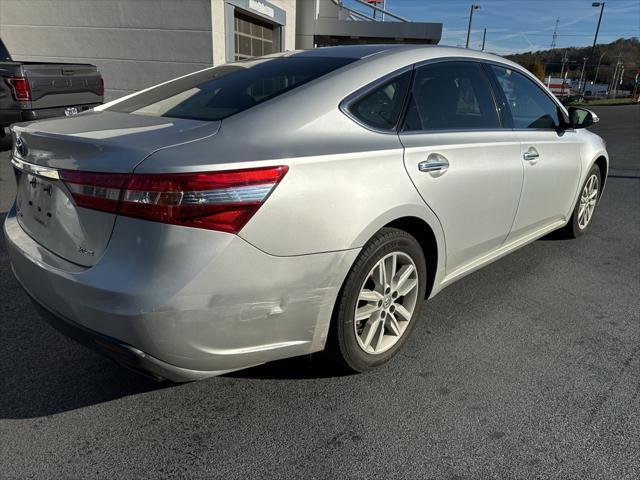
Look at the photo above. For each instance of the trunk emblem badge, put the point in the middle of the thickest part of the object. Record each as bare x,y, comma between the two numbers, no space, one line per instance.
86,251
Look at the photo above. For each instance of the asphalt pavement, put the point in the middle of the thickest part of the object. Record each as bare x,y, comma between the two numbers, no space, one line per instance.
528,368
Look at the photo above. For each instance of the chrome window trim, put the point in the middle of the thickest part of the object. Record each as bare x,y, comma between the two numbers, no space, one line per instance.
466,130
364,91
37,170
452,130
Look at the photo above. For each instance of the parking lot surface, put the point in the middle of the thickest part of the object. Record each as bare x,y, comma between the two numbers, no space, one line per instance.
529,368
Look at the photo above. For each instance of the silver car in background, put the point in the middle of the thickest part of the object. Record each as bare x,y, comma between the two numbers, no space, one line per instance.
290,204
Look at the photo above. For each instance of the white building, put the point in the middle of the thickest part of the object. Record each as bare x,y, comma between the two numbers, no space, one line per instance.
138,43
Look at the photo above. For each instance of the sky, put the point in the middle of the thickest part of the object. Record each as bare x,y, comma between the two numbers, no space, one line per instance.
523,25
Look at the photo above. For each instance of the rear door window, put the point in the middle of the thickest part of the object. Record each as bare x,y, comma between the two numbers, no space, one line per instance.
530,106
451,96
217,93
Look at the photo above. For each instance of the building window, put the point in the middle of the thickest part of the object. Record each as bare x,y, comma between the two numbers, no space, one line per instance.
253,37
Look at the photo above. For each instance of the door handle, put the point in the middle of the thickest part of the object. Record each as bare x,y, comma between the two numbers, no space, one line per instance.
434,163
531,155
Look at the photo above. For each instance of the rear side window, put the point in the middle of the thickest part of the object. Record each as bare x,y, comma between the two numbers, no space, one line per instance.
530,107
381,108
451,96
219,92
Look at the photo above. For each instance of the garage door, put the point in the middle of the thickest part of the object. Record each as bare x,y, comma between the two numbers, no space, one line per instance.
254,37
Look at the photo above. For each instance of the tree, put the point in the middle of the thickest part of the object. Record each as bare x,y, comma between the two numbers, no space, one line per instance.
537,68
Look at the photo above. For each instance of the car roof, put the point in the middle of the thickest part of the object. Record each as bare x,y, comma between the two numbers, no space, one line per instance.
363,51
411,52
348,51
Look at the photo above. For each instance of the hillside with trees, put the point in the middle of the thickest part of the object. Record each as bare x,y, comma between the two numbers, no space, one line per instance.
549,62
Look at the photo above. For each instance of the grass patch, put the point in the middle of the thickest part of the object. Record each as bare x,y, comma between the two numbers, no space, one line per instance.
604,101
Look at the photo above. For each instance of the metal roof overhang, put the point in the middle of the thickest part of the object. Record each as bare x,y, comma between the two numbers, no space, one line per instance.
410,32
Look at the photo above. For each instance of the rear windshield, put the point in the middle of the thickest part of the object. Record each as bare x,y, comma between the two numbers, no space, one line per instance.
219,92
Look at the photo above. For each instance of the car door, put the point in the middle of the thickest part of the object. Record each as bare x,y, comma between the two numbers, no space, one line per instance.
550,156
464,164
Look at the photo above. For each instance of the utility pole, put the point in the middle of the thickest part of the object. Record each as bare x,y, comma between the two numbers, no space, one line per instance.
614,81
563,76
555,34
473,7
484,38
595,78
584,63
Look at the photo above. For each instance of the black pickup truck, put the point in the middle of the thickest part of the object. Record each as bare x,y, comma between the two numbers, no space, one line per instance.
35,90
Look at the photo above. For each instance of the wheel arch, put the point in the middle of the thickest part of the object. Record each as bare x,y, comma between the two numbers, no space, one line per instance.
425,227
603,165
423,233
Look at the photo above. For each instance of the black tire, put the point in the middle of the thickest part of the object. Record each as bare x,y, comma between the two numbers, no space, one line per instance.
342,344
573,229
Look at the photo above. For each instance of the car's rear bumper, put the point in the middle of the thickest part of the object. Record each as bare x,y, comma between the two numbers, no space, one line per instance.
185,303
121,352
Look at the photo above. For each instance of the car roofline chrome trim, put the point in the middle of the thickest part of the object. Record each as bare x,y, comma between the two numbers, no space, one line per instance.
38,170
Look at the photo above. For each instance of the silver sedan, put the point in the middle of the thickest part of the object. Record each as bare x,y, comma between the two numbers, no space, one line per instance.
293,203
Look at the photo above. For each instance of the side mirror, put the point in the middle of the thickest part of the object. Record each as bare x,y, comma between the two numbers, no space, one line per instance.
581,117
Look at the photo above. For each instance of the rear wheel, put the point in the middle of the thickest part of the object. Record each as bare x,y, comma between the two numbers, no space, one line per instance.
380,301
586,205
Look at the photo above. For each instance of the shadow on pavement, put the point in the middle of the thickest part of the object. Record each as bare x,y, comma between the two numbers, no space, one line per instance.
5,143
44,373
309,367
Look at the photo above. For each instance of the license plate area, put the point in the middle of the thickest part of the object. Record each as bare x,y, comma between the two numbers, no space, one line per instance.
35,199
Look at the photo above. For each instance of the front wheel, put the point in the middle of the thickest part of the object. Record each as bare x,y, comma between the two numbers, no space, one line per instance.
586,205
380,300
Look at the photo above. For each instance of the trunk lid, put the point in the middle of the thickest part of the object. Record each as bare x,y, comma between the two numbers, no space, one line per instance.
106,142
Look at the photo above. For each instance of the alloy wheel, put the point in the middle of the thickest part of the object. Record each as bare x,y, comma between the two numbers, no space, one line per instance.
386,303
588,199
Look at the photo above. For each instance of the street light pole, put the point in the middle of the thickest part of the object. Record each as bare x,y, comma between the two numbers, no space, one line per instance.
473,7
595,39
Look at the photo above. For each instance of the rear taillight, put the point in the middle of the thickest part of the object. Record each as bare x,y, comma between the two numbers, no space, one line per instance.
101,87
214,200
20,88
98,191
